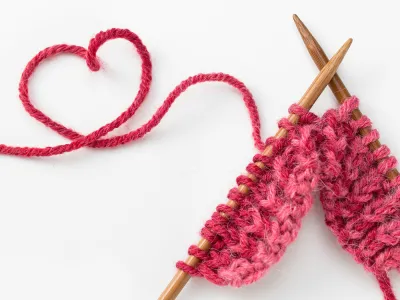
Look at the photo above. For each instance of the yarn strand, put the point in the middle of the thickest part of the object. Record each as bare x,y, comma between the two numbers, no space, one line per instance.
95,139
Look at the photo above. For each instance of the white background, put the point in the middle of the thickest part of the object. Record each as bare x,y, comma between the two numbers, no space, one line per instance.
111,224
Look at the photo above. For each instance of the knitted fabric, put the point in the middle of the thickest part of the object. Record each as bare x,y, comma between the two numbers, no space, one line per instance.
256,235
362,207
325,154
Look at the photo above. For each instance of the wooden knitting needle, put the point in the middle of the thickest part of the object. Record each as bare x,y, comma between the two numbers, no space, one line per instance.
338,88
307,101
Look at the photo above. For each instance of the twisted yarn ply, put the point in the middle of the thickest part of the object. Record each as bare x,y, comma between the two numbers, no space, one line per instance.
318,154
96,138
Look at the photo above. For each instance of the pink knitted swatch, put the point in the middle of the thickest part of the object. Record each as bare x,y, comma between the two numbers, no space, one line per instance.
256,235
362,207
326,154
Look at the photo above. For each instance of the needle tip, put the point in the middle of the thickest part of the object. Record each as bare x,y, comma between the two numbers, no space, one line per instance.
297,21
348,43
303,30
320,58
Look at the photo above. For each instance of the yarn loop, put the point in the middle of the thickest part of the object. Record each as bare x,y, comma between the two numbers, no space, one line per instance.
96,138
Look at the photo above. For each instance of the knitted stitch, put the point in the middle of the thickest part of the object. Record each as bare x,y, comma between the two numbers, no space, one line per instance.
362,207
256,235
327,154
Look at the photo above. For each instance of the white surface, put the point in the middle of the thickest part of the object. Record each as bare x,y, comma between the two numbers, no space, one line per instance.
111,224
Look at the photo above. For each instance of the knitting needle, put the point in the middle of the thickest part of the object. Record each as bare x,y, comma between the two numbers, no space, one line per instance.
338,88
311,95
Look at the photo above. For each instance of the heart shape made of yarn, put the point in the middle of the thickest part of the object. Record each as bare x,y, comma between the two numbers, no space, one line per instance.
93,63
96,138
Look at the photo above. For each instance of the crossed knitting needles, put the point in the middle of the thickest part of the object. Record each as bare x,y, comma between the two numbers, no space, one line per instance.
327,76
336,85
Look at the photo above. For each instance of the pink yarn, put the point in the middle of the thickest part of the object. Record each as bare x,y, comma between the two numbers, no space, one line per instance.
256,235
96,138
362,206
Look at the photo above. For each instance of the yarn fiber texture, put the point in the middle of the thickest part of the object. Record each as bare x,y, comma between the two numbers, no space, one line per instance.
362,207
325,155
96,139
256,235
